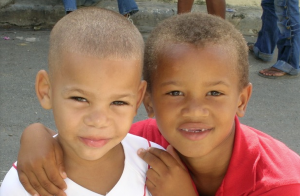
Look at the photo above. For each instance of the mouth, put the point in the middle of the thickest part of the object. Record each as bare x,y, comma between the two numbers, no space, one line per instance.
94,143
194,130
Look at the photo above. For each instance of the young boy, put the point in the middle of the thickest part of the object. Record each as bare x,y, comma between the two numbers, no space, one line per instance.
196,67
94,88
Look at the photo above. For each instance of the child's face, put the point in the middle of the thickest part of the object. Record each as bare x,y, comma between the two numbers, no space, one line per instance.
195,96
94,102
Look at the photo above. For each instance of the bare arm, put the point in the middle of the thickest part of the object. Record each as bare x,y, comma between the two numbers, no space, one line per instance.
40,162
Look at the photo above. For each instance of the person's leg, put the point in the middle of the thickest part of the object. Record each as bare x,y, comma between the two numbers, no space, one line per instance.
268,35
184,6
288,44
69,5
216,7
127,7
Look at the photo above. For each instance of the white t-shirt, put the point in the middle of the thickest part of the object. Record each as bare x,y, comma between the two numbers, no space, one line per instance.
131,183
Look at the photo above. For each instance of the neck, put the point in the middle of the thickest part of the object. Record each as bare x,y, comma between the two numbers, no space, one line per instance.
208,171
99,175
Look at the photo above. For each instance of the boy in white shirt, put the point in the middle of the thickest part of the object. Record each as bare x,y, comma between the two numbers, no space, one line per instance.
94,88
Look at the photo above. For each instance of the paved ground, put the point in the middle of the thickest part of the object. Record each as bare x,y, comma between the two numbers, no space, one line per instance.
274,107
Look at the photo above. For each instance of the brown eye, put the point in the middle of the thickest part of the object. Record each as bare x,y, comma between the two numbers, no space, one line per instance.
79,99
119,103
175,93
214,93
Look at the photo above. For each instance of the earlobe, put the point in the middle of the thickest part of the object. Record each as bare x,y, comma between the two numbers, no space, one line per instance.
43,89
243,100
148,104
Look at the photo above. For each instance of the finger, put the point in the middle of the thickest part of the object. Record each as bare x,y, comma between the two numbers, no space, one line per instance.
41,183
175,155
53,182
60,164
26,184
152,160
153,176
36,185
151,187
49,186
164,156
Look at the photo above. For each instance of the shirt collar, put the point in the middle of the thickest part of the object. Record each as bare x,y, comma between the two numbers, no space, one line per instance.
240,176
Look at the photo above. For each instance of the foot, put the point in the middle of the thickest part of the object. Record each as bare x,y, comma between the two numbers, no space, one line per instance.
272,71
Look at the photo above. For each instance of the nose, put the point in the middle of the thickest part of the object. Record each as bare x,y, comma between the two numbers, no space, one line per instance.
195,108
97,118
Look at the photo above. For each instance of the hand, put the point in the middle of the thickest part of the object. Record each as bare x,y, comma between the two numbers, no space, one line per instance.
167,175
40,162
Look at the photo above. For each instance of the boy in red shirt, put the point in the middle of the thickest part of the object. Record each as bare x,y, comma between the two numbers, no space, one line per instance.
196,67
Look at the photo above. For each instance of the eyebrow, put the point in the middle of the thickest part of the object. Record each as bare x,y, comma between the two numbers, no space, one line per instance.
116,96
169,83
214,83
71,89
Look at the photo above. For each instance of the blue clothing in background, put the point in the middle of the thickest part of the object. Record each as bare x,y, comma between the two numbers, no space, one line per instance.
281,28
125,6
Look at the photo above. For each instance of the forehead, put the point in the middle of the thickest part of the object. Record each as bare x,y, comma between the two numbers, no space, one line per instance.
207,53
93,71
187,62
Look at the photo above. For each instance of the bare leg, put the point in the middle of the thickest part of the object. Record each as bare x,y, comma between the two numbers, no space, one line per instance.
184,6
216,7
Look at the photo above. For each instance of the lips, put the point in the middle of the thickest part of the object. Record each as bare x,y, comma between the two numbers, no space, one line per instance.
194,131
94,143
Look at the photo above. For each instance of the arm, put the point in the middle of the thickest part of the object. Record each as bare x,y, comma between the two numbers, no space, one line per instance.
40,162
167,175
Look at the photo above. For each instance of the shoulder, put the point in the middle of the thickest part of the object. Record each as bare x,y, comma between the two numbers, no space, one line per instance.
131,144
277,166
134,142
11,185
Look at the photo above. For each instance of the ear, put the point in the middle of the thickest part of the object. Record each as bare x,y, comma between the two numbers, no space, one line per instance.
141,93
148,104
243,100
43,89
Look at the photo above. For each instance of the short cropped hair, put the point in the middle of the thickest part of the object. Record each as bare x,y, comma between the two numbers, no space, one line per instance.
197,29
95,32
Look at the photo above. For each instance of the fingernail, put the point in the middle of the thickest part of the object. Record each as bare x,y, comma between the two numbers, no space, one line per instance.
141,150
36,195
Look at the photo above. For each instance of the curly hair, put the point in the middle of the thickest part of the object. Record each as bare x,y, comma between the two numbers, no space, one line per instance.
197,29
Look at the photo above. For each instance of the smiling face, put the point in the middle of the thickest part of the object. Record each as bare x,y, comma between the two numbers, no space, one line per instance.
94,102
195,96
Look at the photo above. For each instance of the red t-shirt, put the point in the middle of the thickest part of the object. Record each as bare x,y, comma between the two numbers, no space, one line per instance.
259,165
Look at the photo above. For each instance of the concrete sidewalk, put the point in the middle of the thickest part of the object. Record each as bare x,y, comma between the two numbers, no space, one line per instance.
39,14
